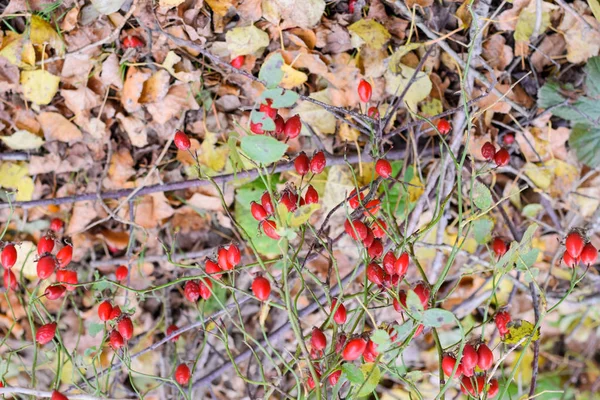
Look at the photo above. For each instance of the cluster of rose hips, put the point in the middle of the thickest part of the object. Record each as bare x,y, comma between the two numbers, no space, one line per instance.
284,130
500,157
472,383
578,251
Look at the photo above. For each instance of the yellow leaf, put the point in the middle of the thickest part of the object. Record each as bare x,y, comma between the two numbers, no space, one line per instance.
291,77
211,155
14,176
595,6
22,140
42,33
302,214
264,314
464,14
246,40
419,90
170,3
541,176
220,7
395,61
347,133
432,107
26,253
369,32
39,86
416,189
518,330
319,119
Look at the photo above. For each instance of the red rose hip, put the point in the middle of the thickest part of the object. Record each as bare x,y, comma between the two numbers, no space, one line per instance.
182,141
261,288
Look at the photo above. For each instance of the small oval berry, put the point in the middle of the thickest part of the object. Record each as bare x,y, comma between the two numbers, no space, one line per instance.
354,349
375,274
353,199
45,333
370,355
422,290
105,310
279,125
499,247
311,196
379,227
234,256
292,127
488,150
270,229
173,328
493,389
182,141
368,241
356,229
373,112
212,268
340,314
318,163
258,211
67,276
334,377
267,108
115,313
448,363
485,357
45,245
121,273
318,339
574,244
383,168
351,4
116,340
364,91
205,287
375,249
238,62
289,199
265,201
401,264
45,267
10,280
310,382
443,126
502,319
125,328
182,374
388,262
569,261
55,292
261,287
64,256
372,207
589,254
56,224
502,157
400,303
302,164
340,343
132,42
56,395
191,291
509,139
469,358
466,386
8,256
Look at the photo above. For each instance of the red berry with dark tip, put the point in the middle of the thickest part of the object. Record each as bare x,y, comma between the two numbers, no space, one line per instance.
182,141
373,112
115,313
354,199
509,139
574,244
469,357
182,374
388,262
238,62
334,377
502,157
400,303
364,91
45,267
234,256
55,292
466,386
45,333
485,357
292,127
302,164
502,319
318,163
261,287
279,125
375,249
8,256
488,150
379,227
422,290
375,274
383,168
493,389
569,261
125,328
265,201
105,310
311,196
256,128
289,199
354,349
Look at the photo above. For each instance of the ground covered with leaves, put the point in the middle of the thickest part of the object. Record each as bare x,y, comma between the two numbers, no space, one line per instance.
201,160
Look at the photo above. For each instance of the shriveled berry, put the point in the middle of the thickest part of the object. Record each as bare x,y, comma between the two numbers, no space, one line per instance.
364,91
340,314
56,224
132,42
54,292
318,163
267,108
383,168
354,349
45,333
270,229
589,254
10,280
182,374
8,256
311,196
261,287
356,229
502,157
238,62
379,227
265,201
401,264
56,395
234,255
191,291
289,199
334,377
499,247
182,141
211,268
115,313
45,267
302,163
64,256
502,319
340,343
173,328
115,340
448,363
422,290
443,126
45,245
318,339
121,273
485,357
105,310
205,287
574,244
292,127
125,328
373,112
488,150
258,211
375,274
375,249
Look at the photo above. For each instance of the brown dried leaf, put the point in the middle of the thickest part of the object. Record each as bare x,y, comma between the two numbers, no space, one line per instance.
83,213
155,88
151,210
57,127
135,128
180,98
132,89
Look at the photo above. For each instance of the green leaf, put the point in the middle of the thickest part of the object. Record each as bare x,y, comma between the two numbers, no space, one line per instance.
234,155
382,339
403,330
518,330
482,196
526,260
482,229
101,285
436,317
353,374
246,40
95,328
372,371
263,149
585,140
271,72
281,98
413,303
259,117
531,210
592,69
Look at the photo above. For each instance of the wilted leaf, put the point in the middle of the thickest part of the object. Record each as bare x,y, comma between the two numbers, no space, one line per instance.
370,33
519,330
419,89
302,214
42,33
220,7
246,40
211,155
39,86
316,116
57,127
14,176
295,13
22,140
107,7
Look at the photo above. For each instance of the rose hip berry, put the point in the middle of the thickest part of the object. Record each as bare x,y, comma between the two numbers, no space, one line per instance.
570,261
318,163
234,256
211,268
238,62
267,108
589,254
116,340
270,229
45,267
121,273
191,291
499,247
574,244
292,127
64,256
469,359
364,91
132,42
125,328
488,150
56,224
356,229
56,395
448,363
261,288
104,311
182,141
8,256
45,333
423,292
373,112
375,274
375,249
493,389
502,157
182,374
340,314
258,212
302,164
401,264
311,196
265,201
485,357
10,280
353,199
173,328
55,292
443,126
354,349
256,128
379,227
205,288
318,339
45,245
334,377
115,313
383,168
